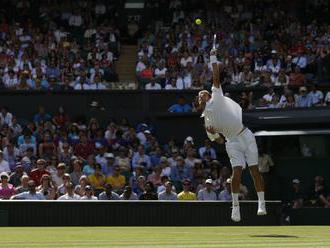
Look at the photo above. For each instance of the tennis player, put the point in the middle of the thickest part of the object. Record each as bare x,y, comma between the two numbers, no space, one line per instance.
224,116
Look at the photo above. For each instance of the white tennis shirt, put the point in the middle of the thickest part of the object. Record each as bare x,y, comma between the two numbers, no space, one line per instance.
223,114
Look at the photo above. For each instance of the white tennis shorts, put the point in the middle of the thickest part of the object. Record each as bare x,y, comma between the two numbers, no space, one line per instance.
243,149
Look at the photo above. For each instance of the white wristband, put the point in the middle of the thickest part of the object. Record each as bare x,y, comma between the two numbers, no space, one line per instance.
213,59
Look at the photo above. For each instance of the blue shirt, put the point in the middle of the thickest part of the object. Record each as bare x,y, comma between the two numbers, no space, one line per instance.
304,101
316,96
177,108
179,174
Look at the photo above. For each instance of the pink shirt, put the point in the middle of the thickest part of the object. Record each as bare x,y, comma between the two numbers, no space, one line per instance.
7,192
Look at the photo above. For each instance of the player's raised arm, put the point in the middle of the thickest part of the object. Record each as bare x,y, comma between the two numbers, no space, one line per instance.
215,68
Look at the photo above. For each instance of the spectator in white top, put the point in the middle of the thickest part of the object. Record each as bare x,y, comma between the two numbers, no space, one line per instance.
327,99
5,117
300,60
153,85
160,73
171,85
4,165
186,59
274,64
57,178
141,65
70,195
166,169
269,96
76,20
10,79
89,195
207,194
128,194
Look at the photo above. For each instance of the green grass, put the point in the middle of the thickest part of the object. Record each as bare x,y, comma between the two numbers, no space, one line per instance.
298,236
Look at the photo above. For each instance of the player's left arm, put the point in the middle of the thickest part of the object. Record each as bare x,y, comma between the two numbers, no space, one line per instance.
214,135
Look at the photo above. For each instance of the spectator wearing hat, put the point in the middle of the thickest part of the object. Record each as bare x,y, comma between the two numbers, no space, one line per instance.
4,165
29,195
47,188
108,168
186,194
207,194
225,194
167,194
15,177
89,194
297,196
108,194
23,186
303,100
70,194
37,173
76,172
117,180
149,193
6,189
128,194
97,180
57,177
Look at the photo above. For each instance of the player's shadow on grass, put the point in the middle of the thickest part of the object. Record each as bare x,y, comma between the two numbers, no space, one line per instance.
273,236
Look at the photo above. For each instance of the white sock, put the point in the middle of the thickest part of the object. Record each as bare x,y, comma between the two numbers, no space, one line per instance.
235,199
261,196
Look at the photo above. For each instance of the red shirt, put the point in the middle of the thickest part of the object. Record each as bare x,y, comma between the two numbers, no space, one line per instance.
84,150
36,175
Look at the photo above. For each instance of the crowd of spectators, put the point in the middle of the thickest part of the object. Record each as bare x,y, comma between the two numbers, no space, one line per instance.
53,157
259,44
58,45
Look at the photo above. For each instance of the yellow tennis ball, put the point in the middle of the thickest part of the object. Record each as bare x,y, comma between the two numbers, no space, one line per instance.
198,21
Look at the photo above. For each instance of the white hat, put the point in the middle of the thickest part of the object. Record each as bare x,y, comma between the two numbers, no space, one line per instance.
109,155
209,181
274,51
297,181
147,132
4,174
228,180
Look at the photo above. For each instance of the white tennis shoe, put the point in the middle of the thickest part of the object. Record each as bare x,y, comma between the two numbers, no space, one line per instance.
235,214
261,208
